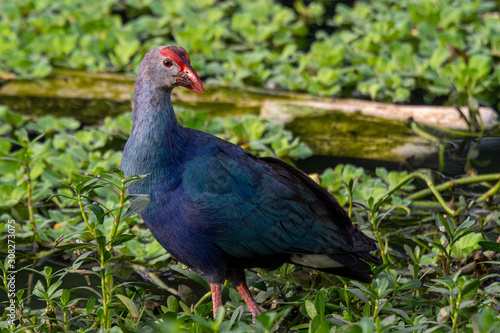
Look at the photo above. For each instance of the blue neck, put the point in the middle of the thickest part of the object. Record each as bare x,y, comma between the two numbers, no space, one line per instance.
154,119
155,144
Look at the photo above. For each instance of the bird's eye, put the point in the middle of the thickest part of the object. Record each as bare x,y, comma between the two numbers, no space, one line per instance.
167,63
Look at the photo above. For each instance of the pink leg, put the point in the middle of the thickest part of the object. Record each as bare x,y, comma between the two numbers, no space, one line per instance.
249,301
216,297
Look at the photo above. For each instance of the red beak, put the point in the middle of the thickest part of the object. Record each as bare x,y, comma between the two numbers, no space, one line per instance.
188,78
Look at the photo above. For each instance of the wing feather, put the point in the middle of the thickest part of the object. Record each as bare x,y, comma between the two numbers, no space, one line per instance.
263,206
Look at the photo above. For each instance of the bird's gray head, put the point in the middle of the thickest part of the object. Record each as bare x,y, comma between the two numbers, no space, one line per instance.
169,66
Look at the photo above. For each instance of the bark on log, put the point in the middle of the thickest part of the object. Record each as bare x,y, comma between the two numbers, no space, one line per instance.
440,116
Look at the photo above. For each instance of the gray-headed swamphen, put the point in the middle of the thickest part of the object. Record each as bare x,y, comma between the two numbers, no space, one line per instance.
219,209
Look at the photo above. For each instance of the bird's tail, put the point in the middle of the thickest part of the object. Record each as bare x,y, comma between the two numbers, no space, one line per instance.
350,273
351,263
355,264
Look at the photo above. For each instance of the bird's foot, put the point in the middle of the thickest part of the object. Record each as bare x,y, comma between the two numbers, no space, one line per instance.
255,314
216,297
249,301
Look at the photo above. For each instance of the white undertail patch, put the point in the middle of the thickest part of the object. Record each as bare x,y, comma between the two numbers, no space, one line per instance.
315,260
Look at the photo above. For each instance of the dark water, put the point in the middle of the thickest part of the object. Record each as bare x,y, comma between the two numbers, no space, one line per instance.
486,161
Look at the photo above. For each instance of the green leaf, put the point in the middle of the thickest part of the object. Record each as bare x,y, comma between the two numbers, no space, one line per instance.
379,269
110,188
79,261
89,308
383,174
185,308
136,206
40,294
97,210
310,309
358,293
132,308
87,289
53,288
120,239
134,179
437,244
300,327
319,304
471,286
121,258
87,186
220,316
480,65
467,243
48,271
412,284
399,312
371,201
173,304
76,246
465,225
442,291
491,246
388,321
101,243
486,320
65,297
444,225
6,158
204,323
192,275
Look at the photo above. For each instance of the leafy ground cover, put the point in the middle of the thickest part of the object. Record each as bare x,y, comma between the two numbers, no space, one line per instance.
437,239
422,51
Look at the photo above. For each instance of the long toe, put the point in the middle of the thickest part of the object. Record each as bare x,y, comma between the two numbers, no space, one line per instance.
255,313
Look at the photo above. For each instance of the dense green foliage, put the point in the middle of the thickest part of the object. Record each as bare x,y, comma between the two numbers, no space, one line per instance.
436,235
444,50
429,280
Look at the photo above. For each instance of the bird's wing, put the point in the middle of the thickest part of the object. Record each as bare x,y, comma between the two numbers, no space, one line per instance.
261,206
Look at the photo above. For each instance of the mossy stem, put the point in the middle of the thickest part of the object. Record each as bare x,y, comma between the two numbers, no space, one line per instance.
455,306
65,319
442,150
375,310
106,297
491,192
456,182
200,302
118,215
29,190
437,195
82,211
379,239
348,302
431,188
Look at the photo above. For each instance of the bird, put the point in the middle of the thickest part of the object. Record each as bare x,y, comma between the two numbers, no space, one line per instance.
220,210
